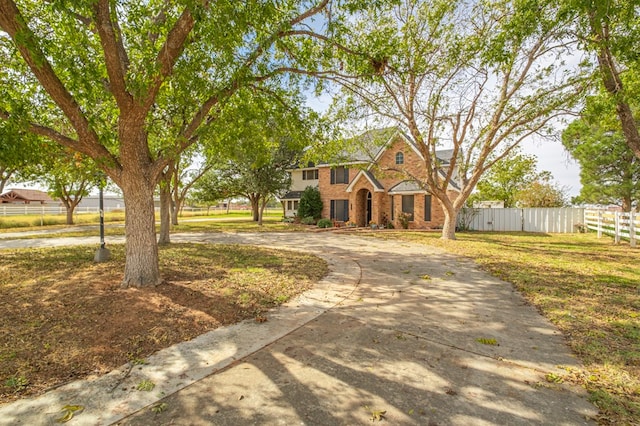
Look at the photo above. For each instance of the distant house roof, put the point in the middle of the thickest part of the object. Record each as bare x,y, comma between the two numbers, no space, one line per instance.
292,195
25,196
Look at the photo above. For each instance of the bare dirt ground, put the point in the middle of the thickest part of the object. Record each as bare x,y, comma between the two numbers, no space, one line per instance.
65,318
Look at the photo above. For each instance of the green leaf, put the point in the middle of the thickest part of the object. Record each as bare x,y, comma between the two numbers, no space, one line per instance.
146,385
68,412
487,341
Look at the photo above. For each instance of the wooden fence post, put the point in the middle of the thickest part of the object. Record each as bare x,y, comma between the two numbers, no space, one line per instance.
617,228
599,223
632,229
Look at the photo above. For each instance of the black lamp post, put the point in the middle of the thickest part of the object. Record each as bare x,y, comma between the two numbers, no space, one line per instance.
102,254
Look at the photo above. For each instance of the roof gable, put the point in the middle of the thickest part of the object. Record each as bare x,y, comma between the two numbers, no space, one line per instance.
25,196
377,186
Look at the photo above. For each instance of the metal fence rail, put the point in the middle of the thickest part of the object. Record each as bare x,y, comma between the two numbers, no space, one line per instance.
552,220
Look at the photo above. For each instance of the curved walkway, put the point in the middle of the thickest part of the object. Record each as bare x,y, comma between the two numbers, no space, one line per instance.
392,333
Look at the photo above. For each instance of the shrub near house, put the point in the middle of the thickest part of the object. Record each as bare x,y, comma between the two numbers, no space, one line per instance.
375,184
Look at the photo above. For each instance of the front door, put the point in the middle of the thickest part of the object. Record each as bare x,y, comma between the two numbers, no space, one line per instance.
363,207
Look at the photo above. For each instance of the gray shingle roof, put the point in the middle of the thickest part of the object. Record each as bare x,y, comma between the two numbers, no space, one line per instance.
406,186
292,195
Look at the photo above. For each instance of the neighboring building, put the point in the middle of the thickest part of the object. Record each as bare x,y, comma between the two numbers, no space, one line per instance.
498,204
92,203
26,196
361,188
301,178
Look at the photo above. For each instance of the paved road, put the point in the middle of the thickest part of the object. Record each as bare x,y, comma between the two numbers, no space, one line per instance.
392,334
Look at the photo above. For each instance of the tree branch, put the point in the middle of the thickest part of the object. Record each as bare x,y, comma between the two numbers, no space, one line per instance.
115,56
14,24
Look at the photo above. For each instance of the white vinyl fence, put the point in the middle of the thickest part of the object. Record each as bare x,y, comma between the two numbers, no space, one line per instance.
552,220
43,209
617,224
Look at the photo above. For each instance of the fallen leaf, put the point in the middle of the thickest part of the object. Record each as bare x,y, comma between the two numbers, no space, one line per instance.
159,407
378,415
69,411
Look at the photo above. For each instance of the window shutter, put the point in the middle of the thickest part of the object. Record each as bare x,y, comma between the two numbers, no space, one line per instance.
333,177
345,214
427,208
332,214
346,175
393,208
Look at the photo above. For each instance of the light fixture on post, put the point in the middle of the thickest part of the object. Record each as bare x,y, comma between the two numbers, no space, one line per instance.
102,254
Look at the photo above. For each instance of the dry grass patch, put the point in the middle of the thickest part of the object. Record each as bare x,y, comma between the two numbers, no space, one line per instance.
66,318
588,287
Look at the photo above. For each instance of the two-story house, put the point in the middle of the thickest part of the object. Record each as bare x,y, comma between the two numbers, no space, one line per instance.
373,184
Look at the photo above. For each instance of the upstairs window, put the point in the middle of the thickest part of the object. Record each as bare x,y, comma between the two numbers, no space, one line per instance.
399,158
310,174
339,175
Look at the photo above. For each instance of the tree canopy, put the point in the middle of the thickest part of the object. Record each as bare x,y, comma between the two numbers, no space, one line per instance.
132,84
478,78
509,178
257,138
609,170
610,30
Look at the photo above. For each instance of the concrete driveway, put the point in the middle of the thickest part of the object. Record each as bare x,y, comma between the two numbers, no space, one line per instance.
397,333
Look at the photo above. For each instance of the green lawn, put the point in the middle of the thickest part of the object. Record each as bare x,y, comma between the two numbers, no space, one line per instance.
235,221
36,221
588,287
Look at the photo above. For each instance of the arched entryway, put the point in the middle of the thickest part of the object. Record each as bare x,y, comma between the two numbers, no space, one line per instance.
363,207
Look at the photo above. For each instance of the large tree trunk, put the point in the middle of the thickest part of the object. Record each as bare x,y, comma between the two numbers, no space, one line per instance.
255,206
174,208
450,219
141,267
263,204
613,83
70,207
70,210
165,213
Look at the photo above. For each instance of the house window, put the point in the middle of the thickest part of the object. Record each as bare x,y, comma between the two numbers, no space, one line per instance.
399,158
289,205
340,175
407,206
427,208
296,203
310,174
339,210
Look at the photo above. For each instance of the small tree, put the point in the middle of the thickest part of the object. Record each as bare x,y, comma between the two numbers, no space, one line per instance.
507,178
609,170
310,203
68,175
476,77
542,193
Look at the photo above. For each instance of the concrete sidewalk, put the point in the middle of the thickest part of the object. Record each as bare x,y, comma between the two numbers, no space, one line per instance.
393,334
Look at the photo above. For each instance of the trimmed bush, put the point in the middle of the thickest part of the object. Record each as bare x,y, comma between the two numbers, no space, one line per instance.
310,203
308,220
325,223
